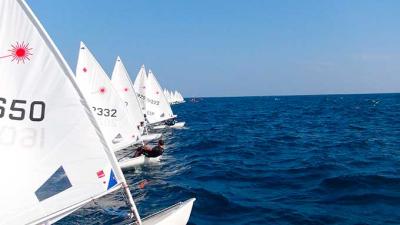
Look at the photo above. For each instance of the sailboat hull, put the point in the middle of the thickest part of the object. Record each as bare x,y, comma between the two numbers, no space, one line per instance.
175,126
177,215
130,163
159,127
150,137
178,125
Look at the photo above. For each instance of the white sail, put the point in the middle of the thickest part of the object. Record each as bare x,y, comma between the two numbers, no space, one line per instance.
53,157
176,96
124,86
157,107
172,96
166,93
140,87
109,109
181,99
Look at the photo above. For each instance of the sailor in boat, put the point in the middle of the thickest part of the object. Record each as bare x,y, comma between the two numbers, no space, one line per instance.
142,128
170,122
145,119
151,152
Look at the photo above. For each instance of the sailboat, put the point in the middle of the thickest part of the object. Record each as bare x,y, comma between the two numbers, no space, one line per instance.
181,99
172,97
124,86
169,97
107,107
166,94
140,88
176,97
157,108
46,127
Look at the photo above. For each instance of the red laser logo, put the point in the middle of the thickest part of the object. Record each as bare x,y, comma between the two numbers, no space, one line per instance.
20,52
102,90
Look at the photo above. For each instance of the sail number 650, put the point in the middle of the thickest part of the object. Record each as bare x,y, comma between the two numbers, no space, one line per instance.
17,110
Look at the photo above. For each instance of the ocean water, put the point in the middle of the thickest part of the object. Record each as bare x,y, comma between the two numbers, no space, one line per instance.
273,160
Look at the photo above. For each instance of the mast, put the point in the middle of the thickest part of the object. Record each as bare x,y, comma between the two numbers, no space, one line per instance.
133,207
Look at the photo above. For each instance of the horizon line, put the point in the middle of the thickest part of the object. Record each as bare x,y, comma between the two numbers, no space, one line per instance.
295,95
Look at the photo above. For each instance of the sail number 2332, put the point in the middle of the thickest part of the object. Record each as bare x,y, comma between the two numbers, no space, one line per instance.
21,109
105,112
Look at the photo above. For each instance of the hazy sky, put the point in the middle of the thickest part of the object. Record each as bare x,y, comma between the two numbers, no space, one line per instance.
236,48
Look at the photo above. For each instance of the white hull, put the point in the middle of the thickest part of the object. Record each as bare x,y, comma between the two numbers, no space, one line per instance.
122,146
175,215
137,161
178,125
150,137
159,127
175,126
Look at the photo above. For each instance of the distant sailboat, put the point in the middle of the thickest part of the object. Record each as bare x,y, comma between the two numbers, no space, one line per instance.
63,159
155,92
174,97
181,99
154,102
170,97
108,108
140,88
157,106
166,94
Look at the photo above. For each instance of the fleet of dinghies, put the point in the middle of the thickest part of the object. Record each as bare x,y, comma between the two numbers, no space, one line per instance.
174,97
63,131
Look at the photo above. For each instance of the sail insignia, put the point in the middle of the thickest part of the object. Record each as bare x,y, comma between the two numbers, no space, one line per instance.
113,181
55,184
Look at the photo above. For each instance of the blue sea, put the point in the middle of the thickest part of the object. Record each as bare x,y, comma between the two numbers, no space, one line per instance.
331,159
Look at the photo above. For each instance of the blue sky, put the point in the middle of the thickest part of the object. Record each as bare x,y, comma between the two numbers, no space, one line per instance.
238,48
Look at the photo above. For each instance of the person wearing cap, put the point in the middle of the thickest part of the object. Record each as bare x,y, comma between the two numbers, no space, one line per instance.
170,122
